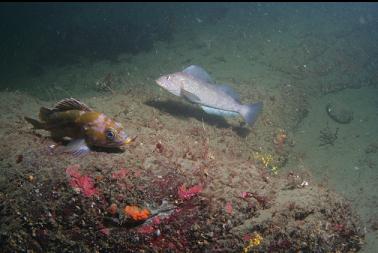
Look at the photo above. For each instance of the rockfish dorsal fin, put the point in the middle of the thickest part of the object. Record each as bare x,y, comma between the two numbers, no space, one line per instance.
199,73
71,104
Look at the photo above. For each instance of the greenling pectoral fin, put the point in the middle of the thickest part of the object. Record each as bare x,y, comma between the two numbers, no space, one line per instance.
250,112
36,124
77,147
190,96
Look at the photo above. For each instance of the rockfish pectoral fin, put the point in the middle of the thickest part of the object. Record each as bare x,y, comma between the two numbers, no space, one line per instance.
190,96
76,147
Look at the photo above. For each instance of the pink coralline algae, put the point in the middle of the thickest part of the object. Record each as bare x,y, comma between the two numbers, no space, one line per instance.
186,194
247,237
245,195
146,229
229,208
156,220
120,173
105,231
81,183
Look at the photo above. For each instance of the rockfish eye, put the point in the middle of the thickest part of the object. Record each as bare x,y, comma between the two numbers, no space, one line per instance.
110,134
168,77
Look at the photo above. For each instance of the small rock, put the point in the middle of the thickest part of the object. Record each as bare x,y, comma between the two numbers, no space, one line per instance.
339,113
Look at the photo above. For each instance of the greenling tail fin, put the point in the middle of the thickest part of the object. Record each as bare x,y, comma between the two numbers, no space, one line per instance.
250,112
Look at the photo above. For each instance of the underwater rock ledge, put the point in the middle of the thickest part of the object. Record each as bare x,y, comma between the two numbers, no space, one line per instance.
222,202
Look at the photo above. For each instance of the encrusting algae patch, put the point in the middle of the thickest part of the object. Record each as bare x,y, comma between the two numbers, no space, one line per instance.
255,241
268,162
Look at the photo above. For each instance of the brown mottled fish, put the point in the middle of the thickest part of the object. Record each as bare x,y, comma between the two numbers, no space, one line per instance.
84,126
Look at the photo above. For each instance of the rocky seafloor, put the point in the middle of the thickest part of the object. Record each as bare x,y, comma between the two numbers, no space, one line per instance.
224,189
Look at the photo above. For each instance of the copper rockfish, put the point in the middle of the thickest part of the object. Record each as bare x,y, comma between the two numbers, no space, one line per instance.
85,127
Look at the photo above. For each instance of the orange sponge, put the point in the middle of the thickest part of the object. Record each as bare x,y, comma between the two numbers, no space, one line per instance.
137,213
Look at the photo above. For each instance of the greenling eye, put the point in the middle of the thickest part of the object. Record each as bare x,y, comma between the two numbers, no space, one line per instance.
110,134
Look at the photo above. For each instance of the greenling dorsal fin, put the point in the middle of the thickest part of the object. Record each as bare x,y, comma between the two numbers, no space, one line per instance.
71,104
199,73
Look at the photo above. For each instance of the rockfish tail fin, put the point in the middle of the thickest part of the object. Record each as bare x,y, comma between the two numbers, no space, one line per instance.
250,112
36,124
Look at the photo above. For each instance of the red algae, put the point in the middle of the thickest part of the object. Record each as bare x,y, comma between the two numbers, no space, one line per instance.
120,173
146,229
81,183
186,194
229,208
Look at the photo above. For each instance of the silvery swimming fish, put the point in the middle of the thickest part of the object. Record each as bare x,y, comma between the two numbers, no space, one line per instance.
196,85
84,126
